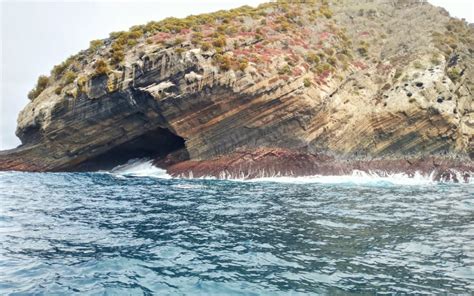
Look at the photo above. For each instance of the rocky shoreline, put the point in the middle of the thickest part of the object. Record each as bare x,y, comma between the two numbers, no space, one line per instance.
271,162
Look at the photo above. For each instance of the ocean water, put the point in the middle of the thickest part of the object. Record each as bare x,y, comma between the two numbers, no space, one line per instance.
136,231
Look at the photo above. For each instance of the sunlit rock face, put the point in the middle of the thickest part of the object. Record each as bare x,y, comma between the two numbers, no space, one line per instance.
348,84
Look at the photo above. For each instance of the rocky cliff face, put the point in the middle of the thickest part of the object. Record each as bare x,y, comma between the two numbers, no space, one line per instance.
336,84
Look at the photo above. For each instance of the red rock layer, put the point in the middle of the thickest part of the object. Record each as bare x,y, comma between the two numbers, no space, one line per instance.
267,162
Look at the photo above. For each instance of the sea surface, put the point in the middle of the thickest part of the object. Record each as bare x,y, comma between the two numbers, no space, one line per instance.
136,231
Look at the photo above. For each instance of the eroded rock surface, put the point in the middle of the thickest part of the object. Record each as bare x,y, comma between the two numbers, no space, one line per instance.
384,91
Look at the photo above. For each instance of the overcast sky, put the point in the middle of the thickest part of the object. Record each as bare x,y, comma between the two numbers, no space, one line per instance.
36,35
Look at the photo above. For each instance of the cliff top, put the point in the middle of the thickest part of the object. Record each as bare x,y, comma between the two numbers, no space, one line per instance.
321,36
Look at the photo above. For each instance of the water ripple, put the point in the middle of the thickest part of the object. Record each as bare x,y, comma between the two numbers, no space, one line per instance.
90,234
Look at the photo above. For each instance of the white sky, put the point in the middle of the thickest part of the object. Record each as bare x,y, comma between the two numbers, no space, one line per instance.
36,35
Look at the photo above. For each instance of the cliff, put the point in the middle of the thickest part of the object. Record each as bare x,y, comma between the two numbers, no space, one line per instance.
290,88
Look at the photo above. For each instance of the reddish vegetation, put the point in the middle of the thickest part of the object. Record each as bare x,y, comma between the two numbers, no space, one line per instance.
321,78
241,51
384,69
246,34
185,31
361,65
324,35
162,36
297,71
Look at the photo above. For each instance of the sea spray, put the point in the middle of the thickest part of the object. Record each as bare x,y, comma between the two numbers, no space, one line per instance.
145,168
140,168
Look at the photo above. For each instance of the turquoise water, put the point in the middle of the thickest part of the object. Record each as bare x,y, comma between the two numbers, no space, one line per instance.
116,234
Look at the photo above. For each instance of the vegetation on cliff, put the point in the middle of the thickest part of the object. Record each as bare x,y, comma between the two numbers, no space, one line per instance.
349,79
229,34
246,34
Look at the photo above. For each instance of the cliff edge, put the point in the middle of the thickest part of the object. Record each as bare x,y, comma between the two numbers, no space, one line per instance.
320,87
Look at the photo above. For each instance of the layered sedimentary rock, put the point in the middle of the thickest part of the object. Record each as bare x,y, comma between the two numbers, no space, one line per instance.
293,89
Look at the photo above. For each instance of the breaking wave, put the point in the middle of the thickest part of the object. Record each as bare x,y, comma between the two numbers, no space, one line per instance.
356,178
140,168
145,168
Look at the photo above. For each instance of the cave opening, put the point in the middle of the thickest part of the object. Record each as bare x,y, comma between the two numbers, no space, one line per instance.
155,144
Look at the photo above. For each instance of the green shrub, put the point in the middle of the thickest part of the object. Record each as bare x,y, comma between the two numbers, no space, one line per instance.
116,35
219,41
258,37
346,52
418,65
69,77
454,74
178,41
132,42
307,82
58,90
196,38
224,62
243,64
221,29
42,82
363,51
81,83
117,46
58,70
398,73
258,34
313,58
329,51
135,34
435,59
117,56
117,51
332,61
323,68
284,27
96,44
41,85
122,39
290,61
324,10
205,46
101,68
284,70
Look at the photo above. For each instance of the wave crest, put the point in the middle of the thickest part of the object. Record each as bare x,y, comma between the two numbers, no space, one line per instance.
140,168
145,168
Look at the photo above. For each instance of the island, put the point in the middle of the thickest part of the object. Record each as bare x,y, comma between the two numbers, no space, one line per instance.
288,88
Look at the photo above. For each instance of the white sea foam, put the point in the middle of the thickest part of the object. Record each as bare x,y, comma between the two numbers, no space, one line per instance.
187,186
140,168
357,178
145,168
